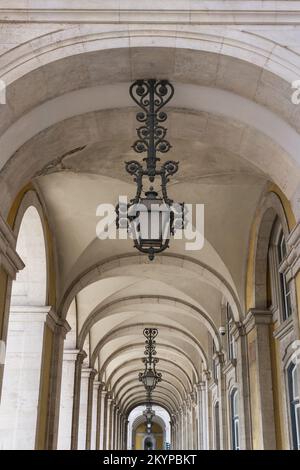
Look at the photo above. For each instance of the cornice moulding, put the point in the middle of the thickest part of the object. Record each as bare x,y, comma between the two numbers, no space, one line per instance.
181,12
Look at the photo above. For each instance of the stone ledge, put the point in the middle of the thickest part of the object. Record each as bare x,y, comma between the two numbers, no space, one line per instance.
9,258
284,329
143,11
257,317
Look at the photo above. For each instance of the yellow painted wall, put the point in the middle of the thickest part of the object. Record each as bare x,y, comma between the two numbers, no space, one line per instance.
48,334
253,379
41,428
291,221
3,286
277,384
141,432
275,357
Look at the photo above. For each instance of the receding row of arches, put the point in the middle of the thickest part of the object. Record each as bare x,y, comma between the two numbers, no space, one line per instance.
201,402
73,307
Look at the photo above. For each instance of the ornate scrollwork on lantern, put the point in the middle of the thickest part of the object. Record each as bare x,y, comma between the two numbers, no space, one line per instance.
151,216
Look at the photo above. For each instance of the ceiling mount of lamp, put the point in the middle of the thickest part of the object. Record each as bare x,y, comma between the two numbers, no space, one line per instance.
151,217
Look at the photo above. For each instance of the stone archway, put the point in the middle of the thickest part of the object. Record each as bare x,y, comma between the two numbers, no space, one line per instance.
20,401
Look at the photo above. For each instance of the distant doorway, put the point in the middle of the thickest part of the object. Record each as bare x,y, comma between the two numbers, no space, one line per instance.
149,443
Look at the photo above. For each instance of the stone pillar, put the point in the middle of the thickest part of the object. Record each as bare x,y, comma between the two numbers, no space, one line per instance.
94,420
126,433
178,431
55,333
67,398
10,264
257,324
189,423
178,444
116,437
242,371
195,420
185,426
173,431
91,411
107,422
199,409
21,385
120,417
206,414
112,427
182,426
222,394
83,407
76,401
101,417
121,437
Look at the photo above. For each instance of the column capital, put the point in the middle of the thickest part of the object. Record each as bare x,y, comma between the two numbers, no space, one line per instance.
219,358
200,386
257,317
97,384
29,313
9,258
71,354
93,374
238,330
207,375
193,398
81,356
87,372
55,322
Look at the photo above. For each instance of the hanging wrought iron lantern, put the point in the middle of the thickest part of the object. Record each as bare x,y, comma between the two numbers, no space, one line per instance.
151,216
149,414
150,377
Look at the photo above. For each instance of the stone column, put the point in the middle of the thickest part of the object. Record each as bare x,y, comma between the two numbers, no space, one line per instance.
206,415
120,429
121,437
242,371
126,433
189,436
107,422
173,431
21,385
95,421
67,397
257,324
83,407
199,386
102,417
185,426
113,426
178,431
76,401
182,427
10,264
91,410
222,393
116,433
195,420
55,333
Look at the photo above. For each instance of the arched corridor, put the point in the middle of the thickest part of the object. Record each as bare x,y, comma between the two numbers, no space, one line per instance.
73,307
